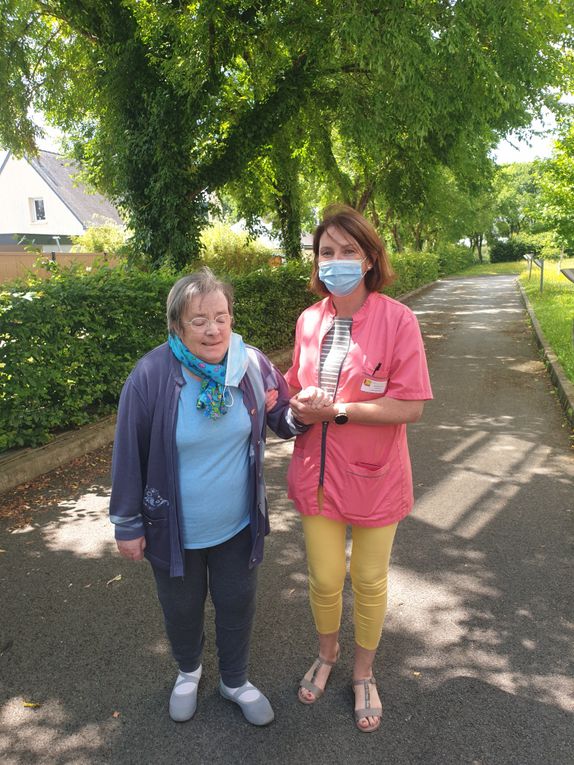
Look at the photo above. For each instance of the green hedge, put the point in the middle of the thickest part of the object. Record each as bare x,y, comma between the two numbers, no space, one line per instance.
511,250
545,244
412,269
67,344
453,258
267,304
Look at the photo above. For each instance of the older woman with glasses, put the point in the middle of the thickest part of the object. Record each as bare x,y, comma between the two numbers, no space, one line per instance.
359,375
187,483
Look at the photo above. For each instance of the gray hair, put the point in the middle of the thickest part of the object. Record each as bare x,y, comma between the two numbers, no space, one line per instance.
203,282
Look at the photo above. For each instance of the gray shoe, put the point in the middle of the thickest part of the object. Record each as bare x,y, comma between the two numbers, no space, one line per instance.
183,699
258,711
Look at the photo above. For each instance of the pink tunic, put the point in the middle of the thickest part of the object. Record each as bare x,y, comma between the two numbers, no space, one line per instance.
365,470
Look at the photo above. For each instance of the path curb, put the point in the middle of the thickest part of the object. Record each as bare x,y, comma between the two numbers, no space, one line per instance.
21,465
563,385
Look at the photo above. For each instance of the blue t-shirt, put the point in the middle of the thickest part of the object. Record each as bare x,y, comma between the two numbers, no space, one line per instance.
213,459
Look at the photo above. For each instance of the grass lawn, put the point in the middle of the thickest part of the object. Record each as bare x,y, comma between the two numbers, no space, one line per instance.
554,309
492,269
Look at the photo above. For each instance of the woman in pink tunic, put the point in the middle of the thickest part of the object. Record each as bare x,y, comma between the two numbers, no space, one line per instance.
359,375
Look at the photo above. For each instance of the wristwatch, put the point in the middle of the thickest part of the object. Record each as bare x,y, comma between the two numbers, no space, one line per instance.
341,418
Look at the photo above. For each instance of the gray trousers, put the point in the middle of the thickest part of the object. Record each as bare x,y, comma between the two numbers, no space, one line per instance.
224,571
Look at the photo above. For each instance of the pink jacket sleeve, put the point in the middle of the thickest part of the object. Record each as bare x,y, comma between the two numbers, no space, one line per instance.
408,374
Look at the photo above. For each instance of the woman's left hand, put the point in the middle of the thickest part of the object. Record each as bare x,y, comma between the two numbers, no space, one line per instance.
271,399
308,414
317,398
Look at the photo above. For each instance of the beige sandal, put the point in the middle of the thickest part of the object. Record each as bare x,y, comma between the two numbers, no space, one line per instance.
309,685
367,711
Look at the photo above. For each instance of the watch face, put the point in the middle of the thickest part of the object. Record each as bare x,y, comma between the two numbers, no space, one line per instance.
341,418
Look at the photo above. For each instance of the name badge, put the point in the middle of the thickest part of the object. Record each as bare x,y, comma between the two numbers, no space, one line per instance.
373,386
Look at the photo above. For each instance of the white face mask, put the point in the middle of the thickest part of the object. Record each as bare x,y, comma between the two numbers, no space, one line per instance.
341,277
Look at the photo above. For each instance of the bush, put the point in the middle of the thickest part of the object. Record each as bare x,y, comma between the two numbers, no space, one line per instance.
105,237
413,269
268,302
230,252
511,250
453,258
546,244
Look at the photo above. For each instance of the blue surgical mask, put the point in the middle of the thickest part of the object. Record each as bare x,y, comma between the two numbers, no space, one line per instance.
341,277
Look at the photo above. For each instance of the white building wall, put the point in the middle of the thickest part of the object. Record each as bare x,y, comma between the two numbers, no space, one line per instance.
19,183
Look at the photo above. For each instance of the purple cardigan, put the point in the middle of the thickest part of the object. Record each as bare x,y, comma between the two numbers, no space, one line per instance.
145,487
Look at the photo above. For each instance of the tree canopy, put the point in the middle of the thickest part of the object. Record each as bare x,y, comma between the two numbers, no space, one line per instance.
557,185
516,191
167,101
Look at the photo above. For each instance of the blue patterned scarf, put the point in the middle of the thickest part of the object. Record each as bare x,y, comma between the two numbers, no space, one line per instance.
212,395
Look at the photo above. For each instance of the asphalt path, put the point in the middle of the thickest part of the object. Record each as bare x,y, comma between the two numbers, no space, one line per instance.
475,661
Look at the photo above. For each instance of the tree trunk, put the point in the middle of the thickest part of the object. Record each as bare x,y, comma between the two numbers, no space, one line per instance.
288,200
375,216
341,178
290,227
365,197
476,242
397,238
418,236
393,225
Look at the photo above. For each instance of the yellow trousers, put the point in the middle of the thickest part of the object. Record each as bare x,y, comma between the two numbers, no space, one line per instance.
325,541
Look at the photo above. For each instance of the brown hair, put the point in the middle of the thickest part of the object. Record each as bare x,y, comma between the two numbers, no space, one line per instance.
365,234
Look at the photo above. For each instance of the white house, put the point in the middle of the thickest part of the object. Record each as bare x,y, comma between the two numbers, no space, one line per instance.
42,203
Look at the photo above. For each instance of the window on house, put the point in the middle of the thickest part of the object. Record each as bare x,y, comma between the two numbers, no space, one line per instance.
38,209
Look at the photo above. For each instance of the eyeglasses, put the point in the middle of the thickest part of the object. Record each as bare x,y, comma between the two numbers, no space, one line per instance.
201,323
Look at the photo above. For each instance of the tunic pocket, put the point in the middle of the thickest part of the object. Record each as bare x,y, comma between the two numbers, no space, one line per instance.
365,489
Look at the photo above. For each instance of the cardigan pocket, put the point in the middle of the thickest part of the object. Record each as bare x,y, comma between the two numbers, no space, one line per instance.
364,489
156,536
155,507
156,525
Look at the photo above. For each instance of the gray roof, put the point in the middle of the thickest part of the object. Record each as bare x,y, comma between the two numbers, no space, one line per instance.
60,174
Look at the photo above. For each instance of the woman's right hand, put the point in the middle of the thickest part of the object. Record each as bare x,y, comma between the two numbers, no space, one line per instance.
271,399
132,549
